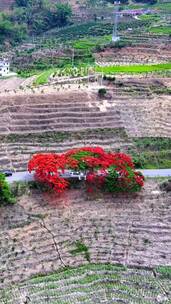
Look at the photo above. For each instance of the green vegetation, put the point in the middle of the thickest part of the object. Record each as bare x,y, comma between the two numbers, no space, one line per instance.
77,43
11,33
164,272
20,188
52,137
102,92
92,281
134,68
153,160
6,196
152,153
32,17
163,30
81,248
165,7
43,77
40,15
92,29
153,143
152,17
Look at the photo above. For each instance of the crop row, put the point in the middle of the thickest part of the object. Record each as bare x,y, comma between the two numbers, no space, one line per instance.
92,283
117,232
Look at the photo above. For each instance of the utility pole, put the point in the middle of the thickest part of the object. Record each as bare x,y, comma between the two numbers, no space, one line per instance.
73,55
115,36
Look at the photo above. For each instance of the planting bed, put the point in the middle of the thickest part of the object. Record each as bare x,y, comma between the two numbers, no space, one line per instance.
83,247
57,122
142,54
94,283
37,239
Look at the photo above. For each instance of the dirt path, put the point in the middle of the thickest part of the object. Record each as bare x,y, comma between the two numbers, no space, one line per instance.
14,83
10,83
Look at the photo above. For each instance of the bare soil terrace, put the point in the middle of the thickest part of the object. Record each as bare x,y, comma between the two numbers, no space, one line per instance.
142,54
38,238
130,110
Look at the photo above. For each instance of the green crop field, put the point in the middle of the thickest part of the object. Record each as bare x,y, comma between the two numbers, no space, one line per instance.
95,283
133,68
152,17
163,6
164,30
43,77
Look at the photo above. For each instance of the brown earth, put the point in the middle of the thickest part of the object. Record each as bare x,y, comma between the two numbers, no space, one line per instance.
130,110
135,55
38,238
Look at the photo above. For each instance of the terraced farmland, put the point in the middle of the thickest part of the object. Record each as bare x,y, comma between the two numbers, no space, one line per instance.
57,122
37,240
139,54
94,283
81,247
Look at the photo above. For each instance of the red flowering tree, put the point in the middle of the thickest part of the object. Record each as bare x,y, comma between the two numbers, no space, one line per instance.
112,171
47,168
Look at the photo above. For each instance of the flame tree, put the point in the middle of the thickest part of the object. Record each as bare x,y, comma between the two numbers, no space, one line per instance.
114,172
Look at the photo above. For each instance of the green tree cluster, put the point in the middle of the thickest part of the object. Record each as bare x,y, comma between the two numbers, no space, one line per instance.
40,15
29,17
11,32
6,196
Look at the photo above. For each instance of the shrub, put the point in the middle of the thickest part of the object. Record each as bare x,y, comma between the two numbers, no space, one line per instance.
102,92
109,78
6,196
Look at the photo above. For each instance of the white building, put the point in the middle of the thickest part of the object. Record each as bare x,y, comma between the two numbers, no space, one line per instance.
4,67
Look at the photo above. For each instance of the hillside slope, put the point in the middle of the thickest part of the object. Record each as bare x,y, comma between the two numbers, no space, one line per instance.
6,4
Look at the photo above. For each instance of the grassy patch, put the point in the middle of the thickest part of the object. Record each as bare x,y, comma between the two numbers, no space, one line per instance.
150,17
86,283
81,248
163,30
52,137
163,7
133,68
90,43
164,272
152,143
153,160
43,77
152,153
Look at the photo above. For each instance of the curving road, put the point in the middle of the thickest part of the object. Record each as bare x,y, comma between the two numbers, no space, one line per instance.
26,176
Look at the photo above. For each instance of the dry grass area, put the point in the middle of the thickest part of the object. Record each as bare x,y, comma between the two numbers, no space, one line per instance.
38,238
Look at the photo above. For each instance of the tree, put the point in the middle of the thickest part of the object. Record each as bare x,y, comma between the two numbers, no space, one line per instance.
6,196
31,16
62,14
23,3
113,172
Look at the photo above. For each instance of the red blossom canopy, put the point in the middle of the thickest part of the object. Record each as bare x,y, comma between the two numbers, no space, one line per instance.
101,167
